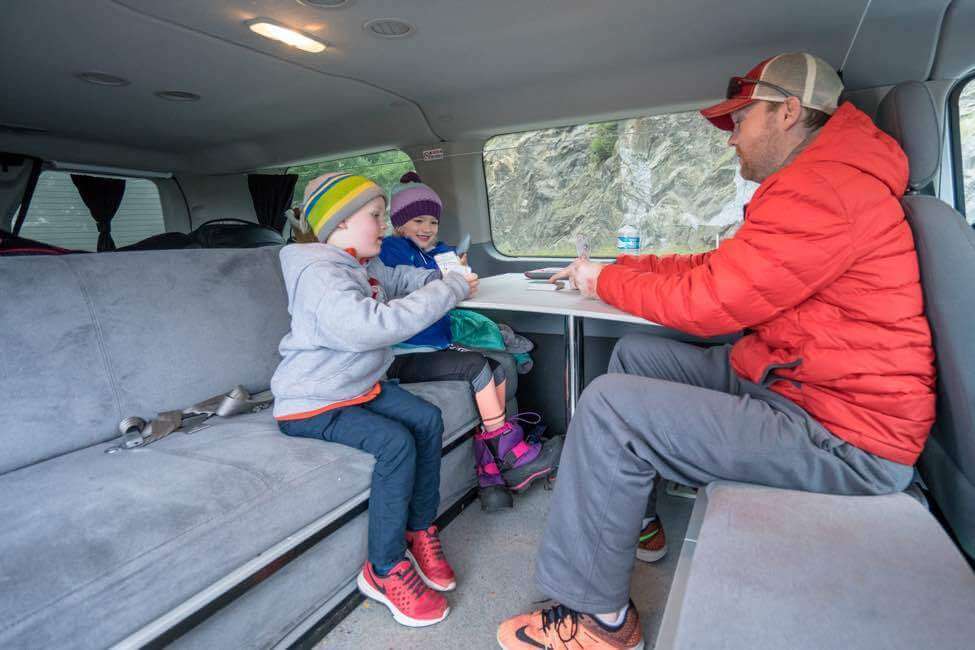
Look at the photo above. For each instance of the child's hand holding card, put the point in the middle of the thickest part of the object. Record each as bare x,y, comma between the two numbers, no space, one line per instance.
450,263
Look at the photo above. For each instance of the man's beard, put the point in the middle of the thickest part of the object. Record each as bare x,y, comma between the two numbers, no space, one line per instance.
762,160
755,167
745,169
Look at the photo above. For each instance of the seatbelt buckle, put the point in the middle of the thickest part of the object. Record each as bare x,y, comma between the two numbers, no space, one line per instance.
194,422
136,432
132,429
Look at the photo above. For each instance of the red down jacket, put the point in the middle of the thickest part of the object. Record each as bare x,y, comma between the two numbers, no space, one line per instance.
824,276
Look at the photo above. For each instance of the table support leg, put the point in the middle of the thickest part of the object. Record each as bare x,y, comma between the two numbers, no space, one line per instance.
573,365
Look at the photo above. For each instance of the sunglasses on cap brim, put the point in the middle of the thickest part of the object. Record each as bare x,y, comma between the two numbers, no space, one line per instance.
735,85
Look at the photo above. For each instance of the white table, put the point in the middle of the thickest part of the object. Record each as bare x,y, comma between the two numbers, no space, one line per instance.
510,292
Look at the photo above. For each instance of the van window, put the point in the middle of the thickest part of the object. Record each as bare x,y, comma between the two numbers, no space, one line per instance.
966,123
57,215
672,178
385,167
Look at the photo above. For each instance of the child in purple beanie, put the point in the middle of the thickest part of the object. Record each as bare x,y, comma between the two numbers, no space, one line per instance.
504,459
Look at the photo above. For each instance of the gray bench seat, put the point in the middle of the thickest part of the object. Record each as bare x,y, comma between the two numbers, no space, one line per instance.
98,549
768,568
96,545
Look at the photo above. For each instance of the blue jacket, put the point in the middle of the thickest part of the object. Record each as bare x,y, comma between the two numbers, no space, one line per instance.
398,250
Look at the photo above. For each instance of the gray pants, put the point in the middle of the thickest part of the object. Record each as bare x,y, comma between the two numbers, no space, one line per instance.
677,411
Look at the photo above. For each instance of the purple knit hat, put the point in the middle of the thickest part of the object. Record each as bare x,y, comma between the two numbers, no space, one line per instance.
411,199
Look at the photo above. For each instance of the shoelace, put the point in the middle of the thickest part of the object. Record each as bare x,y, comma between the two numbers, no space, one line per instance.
412,581
431,544
528,417
555,617
532,419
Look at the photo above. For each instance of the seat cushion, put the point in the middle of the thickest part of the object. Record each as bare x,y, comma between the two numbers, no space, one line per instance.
129,334
784,569
50,349
96,545
946,252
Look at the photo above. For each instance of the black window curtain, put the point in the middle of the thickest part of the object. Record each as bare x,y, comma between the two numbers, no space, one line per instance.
271,194
102,196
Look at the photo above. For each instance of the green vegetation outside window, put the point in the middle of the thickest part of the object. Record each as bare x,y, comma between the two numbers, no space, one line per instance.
385,167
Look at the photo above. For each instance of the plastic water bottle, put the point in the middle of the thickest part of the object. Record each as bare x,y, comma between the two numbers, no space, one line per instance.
628,240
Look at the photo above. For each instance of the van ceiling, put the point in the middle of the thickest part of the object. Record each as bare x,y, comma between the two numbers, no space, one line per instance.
471,69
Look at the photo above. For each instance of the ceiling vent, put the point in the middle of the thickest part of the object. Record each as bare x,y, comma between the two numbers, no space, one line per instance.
177,96
326,4
102,79
389,28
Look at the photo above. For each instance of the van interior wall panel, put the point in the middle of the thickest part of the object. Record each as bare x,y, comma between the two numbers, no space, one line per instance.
83,150
217,197
459,179
956,50
897,42
176,216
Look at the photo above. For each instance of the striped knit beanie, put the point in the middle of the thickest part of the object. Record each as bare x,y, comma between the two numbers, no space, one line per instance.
332,198
411,199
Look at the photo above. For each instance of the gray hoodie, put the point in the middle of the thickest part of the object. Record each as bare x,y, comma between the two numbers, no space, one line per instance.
343,327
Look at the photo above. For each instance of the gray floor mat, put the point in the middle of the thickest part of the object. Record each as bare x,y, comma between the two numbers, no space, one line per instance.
493,556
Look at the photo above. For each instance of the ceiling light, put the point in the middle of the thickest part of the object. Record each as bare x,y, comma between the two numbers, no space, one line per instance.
102,79
276,32
177,96
389,27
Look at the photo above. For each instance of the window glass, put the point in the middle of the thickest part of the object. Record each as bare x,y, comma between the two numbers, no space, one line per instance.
966,115
672,179
385,167
58,216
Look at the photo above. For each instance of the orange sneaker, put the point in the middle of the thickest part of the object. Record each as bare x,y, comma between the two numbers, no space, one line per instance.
653,542
412,603
560,628
423,548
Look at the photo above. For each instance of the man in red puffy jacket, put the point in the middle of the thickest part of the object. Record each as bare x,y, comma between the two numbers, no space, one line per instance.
831,389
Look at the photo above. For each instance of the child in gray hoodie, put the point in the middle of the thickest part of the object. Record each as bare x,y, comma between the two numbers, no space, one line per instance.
347,310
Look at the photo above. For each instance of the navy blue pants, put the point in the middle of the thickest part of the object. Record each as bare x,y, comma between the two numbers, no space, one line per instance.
405,435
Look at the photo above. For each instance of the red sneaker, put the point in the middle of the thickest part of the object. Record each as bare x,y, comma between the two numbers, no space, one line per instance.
411,602
423,548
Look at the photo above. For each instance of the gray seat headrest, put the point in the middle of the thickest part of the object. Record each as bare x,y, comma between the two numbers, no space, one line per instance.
907,113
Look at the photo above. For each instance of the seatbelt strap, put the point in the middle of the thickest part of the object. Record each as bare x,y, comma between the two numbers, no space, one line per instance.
137,433
235,402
